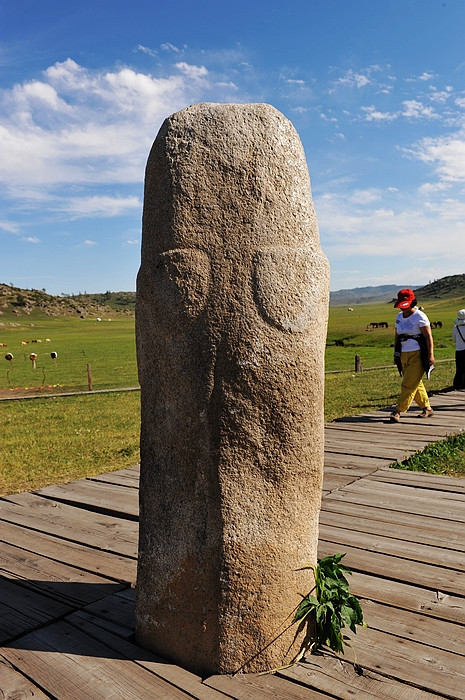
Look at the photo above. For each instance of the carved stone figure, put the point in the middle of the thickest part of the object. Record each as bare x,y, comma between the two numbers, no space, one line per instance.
232,302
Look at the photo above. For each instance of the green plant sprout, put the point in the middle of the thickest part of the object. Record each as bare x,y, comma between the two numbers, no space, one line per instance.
330,609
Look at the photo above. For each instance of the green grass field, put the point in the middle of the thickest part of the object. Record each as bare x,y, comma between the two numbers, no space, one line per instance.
107,346
51,440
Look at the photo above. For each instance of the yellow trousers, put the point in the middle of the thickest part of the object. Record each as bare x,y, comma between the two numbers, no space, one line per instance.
412,387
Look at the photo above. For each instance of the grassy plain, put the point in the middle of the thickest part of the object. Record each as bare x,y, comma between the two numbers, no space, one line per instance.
106,345
50,440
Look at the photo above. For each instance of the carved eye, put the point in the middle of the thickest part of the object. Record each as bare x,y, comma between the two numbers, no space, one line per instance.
288,286
183,281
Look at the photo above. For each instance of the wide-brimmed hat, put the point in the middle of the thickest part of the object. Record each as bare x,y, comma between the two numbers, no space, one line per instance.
460,320
404,299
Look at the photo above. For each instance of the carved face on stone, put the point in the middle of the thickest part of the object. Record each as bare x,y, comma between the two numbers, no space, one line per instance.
232,307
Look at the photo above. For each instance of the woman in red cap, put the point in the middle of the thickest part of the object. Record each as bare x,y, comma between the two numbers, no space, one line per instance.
414,347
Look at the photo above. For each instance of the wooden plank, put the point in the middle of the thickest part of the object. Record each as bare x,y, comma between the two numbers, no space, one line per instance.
398,569
404,596
22,610
337,677
367,449
404,548
14,686
122,477
451,420
363,428
412,528
334,481
95,529
403,503
381,437
448,499
267,687
423,482
109,498
89,619
430,669
110,565
162,669
420,479
334,459
367,511
62,581
129,482
439,634
116,609
351,471
69,664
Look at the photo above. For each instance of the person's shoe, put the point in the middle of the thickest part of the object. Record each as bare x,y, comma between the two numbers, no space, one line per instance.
427,411
395,417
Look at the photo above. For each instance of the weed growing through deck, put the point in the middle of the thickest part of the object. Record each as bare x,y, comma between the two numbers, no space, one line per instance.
443,457
330,610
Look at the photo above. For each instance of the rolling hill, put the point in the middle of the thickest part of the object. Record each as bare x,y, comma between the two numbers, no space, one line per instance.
451,287
24,302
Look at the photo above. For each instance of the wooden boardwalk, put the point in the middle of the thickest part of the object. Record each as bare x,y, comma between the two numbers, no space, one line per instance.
68,567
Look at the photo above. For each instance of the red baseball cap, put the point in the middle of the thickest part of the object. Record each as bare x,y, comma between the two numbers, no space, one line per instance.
404,299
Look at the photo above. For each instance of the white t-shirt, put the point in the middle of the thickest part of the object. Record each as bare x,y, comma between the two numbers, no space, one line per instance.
411,326
459,342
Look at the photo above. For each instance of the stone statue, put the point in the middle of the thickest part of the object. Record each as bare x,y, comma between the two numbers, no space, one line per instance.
232,303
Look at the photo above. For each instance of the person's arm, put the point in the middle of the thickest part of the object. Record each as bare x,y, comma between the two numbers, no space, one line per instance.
426,331
396,359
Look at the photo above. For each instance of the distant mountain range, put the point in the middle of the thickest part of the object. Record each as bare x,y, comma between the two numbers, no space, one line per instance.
451,287
18,302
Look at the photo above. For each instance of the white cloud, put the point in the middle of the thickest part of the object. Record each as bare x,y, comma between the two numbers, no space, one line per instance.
351,79
431,188
146,50
446,154
9,226
413,109
352,229
88,244
81,127
31,239
426,76
372,114
170,47
229,85
328,119
100,206
440,96
365,196
193,72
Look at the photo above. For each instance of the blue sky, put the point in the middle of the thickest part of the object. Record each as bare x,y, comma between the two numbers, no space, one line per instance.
375,89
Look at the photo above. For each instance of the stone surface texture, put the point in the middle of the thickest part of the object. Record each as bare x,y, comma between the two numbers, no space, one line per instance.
232,303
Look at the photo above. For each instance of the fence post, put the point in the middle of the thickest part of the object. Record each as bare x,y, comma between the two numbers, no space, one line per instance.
358,363
89,377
